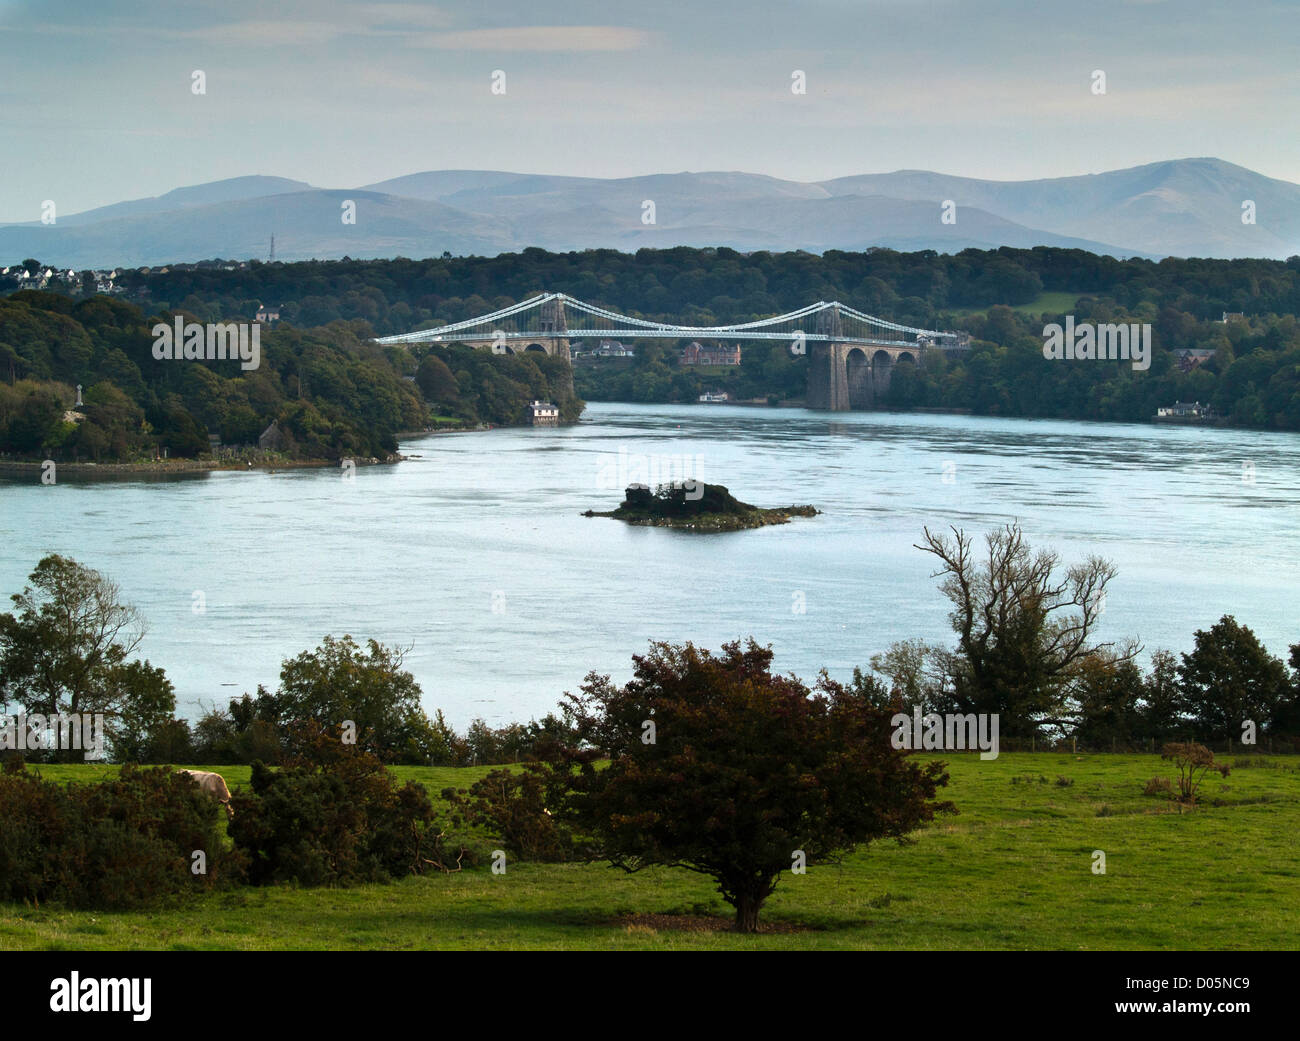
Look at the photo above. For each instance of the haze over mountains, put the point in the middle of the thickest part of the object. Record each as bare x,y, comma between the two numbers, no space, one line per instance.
1182,207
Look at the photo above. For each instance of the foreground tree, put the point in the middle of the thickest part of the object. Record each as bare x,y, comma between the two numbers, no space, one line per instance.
1230,678
1287,718
339,682
1161,710
718,766
1106,696
66,649
1023,629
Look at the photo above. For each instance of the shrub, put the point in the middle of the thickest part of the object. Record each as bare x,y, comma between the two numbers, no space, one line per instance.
512,808
1159,786
334,818
124,843
1194,762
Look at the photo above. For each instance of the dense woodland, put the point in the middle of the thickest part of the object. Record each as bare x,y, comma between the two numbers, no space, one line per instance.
334,393
701,286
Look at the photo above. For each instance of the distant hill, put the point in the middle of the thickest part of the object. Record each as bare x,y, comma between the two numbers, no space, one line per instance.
307,224
232,190
1183,207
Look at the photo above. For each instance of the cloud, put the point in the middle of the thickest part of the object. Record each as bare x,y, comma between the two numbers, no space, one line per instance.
405,14
539,38
267,33
403,23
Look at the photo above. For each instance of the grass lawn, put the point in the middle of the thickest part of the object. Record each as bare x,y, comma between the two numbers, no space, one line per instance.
1051,303
1012,871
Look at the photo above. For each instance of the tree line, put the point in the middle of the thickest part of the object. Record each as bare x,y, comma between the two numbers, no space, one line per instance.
714,286
1024,650
1251,377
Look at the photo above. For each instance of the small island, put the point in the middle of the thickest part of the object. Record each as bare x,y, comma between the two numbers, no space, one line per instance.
696,506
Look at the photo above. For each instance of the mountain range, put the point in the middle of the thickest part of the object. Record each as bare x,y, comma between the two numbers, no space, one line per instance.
1180,207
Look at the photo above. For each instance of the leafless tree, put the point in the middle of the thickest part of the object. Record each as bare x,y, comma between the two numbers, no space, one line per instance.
1023,626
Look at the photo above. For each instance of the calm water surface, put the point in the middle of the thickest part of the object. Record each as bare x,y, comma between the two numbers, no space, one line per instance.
474,554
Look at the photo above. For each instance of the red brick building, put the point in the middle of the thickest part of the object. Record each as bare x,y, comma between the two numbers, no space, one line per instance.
717,354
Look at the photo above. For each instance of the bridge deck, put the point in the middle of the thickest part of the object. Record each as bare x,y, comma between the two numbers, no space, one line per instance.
430,336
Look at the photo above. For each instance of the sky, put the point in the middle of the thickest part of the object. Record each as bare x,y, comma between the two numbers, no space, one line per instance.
97,100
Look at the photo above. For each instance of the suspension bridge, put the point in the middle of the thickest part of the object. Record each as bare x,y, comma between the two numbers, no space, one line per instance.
851,354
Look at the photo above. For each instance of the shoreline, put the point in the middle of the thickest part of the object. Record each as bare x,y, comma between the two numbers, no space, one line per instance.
13,468
1216,423
166,467
23,468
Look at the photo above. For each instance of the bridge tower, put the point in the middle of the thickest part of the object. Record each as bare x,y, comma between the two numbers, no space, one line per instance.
828,380
552,322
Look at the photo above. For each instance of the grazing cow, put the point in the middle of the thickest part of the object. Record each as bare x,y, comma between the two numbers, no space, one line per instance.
214,785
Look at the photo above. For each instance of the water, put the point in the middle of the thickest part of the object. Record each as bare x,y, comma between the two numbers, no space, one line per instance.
475,556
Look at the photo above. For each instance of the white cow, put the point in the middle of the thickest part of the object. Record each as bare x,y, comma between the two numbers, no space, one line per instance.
214,785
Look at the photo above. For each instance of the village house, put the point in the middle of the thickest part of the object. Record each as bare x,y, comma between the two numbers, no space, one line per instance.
267,314
1190,357
1185,410
271,439
718,354
613,349
544,414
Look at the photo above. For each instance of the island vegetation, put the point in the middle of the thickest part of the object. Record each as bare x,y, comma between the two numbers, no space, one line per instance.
696,506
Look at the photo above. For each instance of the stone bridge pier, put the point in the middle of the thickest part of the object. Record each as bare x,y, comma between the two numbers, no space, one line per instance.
845,377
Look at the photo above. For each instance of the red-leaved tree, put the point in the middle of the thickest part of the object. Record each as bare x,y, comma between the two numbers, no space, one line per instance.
718,766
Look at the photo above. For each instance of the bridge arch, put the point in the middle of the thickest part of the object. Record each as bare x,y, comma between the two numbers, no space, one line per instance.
858,373
535,347
904,371
882,368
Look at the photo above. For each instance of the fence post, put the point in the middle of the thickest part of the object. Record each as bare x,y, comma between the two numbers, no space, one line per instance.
1074,744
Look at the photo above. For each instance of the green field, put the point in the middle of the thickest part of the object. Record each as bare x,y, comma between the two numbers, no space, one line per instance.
1055,302
1012,871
